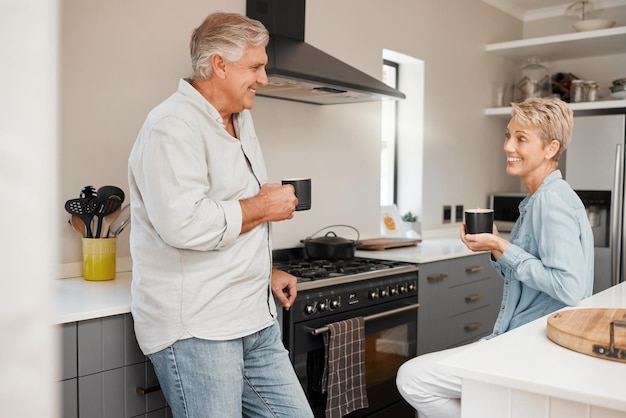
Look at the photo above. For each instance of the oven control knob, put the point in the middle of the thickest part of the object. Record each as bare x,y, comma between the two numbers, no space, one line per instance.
394,290
334,304
403,288
309,309
384,293
373,294
412,287
322,306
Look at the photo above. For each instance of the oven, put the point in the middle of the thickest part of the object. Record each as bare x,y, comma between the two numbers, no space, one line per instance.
383,292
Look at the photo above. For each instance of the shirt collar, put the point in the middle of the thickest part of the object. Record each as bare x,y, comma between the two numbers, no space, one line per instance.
555,175
185,88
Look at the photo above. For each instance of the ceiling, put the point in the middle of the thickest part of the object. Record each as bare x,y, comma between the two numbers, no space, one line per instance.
540,9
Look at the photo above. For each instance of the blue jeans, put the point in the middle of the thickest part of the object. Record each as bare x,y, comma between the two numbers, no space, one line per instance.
250,376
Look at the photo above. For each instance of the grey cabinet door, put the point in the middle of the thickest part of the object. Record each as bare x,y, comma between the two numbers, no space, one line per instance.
69,398
69,365
100,344
90,398
107,366
101,395
459,301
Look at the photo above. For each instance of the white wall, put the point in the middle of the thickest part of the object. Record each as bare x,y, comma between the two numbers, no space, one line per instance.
120,58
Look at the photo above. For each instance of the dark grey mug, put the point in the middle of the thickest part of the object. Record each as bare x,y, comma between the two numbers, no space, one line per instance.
479,221
302,189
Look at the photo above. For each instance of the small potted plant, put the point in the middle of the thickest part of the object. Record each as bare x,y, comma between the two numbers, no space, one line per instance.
412,227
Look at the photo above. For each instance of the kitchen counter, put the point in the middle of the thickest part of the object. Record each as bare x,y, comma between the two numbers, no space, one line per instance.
524,365
77,299
427,251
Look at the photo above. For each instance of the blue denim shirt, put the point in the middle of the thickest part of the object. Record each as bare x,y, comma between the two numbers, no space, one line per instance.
550,261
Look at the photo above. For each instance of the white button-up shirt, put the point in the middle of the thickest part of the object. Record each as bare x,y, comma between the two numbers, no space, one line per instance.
193,273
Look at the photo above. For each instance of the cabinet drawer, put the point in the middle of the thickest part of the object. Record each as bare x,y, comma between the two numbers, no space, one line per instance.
471,296
469,326
470,269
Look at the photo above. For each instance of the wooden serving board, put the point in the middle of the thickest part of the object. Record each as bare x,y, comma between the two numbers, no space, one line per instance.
379,244
588,331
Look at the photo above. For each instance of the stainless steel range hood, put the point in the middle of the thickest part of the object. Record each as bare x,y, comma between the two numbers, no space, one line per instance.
300,72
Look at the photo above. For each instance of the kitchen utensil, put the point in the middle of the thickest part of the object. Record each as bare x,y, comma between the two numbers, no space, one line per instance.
598,332
78,225
88,191
618,89
118,225
330,246
379,244
111,198
108,219
106,208
84,208
593,24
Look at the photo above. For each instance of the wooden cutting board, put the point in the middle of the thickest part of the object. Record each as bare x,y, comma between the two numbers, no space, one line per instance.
379,244
588,331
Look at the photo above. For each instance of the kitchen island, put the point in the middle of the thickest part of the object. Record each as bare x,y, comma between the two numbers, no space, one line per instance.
524,374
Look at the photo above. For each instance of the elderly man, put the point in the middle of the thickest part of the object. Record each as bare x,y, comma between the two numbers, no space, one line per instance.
201,246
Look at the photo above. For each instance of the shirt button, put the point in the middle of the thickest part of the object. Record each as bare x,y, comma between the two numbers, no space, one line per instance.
502,307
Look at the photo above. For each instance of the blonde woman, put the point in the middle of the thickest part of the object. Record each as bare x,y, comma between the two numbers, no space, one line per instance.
547,263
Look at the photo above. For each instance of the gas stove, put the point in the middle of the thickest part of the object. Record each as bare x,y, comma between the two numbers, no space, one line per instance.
313,274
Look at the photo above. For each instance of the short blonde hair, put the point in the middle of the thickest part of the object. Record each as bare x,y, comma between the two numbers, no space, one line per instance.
552,117
225,34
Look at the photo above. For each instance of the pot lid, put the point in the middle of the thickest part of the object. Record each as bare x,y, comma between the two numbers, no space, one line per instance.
330,239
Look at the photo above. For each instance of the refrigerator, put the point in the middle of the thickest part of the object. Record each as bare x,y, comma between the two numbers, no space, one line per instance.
594,166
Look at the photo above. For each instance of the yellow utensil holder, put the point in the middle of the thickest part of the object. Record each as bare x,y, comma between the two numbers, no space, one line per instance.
99,258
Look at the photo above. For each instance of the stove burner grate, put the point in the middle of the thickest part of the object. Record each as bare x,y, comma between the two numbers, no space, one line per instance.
307,270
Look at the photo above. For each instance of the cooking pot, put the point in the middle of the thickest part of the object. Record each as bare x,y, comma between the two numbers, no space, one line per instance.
330,246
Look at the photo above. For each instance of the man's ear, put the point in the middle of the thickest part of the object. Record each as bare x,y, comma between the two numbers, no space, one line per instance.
218,64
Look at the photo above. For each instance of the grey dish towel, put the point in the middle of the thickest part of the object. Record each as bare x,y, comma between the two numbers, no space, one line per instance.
345,344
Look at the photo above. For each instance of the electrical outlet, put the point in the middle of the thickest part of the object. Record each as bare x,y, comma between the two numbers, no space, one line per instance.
447,214
459,213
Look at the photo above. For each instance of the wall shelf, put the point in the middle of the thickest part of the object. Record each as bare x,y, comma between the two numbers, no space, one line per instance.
576,107
565,46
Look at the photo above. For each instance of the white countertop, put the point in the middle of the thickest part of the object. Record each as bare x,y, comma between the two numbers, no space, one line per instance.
525,359
78,300
426,251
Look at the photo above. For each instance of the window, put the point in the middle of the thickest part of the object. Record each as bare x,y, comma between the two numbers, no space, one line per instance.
388,172
403,134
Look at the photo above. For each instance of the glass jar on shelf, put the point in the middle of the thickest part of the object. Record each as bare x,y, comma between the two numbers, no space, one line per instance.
591,91
535,81
577,91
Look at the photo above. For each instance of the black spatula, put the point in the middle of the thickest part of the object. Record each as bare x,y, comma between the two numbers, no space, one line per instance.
85,208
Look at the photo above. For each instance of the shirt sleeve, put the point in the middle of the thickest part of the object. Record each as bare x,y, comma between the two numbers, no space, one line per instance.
558,269
175,188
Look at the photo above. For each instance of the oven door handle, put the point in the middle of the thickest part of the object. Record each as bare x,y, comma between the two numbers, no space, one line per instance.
317,331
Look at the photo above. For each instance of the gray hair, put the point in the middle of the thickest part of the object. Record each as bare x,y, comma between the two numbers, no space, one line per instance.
552,117
225,34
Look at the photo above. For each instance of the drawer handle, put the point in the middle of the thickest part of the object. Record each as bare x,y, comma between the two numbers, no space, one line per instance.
474,269
474,297
473,326
145,391
437,277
